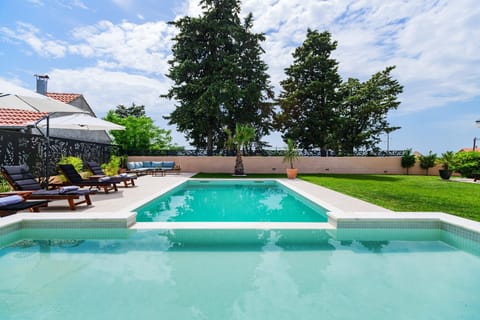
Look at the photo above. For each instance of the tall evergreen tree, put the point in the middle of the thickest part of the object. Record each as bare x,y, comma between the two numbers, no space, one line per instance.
363,112
219,77
309,99
318,110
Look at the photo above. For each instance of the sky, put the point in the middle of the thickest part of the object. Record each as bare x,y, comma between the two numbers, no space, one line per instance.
116,52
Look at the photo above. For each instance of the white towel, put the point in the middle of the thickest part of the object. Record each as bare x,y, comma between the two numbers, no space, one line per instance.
5,201
68,188
103,179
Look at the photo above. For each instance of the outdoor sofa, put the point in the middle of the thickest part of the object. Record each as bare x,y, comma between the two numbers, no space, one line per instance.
150,167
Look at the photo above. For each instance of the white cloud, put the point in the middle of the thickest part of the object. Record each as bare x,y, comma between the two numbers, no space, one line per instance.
142,47
431,43
104,90
72,4
42,44
37,3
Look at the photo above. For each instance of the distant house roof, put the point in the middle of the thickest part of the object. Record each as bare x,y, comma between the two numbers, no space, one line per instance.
466,150
74,99
64,97
17,118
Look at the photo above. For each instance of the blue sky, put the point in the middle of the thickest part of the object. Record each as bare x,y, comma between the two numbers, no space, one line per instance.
116,51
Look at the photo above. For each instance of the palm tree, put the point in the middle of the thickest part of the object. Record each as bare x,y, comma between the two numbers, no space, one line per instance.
244,134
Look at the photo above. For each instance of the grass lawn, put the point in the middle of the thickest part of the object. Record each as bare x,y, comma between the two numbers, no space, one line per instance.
397,192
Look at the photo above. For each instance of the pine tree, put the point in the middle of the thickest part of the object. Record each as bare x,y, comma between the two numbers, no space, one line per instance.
363,111
219,77
310,98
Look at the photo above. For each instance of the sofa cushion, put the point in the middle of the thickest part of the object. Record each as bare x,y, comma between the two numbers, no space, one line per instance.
131,165
138,164
168,164
147,164
157,164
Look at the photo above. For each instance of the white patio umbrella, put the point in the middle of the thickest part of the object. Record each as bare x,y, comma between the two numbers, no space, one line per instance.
80,121
40,104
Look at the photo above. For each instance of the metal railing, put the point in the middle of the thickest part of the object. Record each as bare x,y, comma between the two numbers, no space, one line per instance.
22,148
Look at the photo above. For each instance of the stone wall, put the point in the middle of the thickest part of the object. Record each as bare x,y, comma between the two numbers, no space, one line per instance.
340,165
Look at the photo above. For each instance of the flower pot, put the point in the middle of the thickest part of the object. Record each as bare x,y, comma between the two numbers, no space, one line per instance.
445,174
292,173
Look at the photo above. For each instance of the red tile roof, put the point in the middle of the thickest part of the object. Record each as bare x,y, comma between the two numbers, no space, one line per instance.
64,97
19,118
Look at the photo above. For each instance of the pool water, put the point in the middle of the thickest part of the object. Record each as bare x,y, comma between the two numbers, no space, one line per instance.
239,274
228,201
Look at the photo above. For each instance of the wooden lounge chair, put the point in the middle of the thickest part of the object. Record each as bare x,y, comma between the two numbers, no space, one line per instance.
74,178
97,171
20,179
11,204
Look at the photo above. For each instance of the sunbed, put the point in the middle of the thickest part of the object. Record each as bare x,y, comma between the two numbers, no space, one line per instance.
10,204
20,179
74,178
127,179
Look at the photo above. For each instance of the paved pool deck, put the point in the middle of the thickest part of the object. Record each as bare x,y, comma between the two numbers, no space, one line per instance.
148,188
116,210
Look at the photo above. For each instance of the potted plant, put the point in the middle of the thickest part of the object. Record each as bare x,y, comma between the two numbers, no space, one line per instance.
446,160
291,154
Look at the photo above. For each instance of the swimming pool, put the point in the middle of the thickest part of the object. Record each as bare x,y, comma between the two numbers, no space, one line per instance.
231,201
238,274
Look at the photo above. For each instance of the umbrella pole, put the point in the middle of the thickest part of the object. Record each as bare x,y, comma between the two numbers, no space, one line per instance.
47,153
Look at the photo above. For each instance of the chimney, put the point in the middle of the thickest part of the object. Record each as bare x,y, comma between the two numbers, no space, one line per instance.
42,81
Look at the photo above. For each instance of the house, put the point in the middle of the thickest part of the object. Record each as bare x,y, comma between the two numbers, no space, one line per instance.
76,100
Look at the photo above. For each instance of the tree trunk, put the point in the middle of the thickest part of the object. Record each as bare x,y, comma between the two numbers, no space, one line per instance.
239,171
209,144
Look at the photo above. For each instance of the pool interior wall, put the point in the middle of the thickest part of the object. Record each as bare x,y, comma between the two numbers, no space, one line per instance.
238,274
233,201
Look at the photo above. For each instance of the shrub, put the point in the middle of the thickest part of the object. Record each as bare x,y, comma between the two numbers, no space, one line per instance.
408,159
111,168
428,161
467,163
4,186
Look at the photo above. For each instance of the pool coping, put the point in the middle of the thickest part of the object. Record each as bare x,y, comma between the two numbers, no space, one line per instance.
338,218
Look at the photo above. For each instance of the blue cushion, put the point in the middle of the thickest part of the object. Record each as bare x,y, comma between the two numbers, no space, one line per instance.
147,164
168,164
157,164
9,200
131,165
138,164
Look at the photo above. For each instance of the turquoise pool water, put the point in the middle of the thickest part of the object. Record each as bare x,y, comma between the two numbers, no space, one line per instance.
238,201
251,274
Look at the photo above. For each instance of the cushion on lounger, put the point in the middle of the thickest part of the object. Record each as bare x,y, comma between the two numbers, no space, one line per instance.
5,201
68,189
